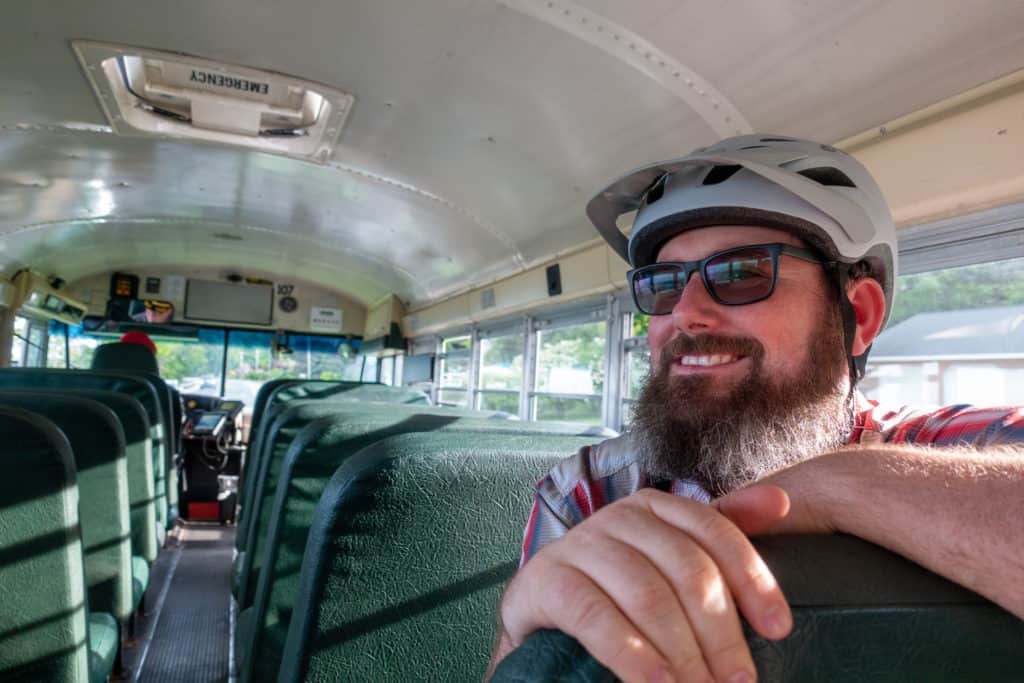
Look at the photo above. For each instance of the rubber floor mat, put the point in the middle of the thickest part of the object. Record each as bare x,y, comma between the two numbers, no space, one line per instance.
190,640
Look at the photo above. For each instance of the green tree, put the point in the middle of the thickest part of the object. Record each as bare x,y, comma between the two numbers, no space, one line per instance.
999,283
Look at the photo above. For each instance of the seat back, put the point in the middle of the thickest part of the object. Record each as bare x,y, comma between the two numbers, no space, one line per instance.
138,452
860,613
259,404
311,460
336,390
137,386
281,391
412,543
43,632
177,418
124,357
98,448
270,453
282,421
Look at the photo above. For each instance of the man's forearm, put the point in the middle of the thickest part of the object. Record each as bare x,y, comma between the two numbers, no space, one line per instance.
958,512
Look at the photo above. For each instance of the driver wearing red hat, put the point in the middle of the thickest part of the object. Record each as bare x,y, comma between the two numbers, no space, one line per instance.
138,338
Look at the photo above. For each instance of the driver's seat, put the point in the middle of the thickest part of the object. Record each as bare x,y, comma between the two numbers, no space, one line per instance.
125,357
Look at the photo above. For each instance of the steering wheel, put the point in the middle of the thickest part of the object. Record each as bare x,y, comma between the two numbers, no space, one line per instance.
860,612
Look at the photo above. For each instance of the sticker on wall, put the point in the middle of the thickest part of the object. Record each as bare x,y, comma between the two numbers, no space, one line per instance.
174,288
324,319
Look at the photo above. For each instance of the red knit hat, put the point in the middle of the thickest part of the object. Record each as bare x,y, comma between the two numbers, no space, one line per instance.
138,338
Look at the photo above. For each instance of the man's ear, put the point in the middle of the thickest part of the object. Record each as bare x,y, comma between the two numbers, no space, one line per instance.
868,302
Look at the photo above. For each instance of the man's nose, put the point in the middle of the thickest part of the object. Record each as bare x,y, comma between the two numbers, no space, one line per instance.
696,311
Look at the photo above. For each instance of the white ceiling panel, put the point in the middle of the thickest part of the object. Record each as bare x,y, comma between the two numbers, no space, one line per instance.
479,130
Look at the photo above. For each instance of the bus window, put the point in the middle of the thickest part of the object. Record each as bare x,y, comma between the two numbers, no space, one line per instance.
250,361
950,338
387,370
570,373
193,366
455,360
501,373
635,366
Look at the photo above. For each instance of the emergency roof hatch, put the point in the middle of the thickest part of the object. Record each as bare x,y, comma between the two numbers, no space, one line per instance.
160,94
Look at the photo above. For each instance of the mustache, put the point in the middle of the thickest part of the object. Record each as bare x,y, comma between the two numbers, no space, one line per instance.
685,344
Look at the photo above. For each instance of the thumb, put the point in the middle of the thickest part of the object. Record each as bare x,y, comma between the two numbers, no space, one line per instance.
754,509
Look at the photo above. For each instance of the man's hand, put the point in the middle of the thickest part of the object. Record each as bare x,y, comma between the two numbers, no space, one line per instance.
802,484
650,586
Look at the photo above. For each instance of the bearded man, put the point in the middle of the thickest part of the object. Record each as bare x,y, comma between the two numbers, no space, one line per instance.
767,265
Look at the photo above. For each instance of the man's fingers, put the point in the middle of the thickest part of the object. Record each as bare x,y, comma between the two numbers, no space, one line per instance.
713,642
634,577
748,578
754,509
574,603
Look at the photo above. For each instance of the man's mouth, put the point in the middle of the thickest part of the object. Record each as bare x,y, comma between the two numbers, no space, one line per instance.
707,360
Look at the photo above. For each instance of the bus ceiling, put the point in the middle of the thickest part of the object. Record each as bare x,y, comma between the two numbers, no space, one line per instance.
429,162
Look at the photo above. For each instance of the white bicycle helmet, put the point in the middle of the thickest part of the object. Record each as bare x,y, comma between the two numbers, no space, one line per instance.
823,195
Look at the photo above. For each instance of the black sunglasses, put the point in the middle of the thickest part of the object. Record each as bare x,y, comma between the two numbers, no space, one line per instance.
734,277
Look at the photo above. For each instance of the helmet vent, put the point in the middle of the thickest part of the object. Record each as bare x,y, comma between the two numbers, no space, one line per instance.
720,174
754,147
656,190
827,175
777,140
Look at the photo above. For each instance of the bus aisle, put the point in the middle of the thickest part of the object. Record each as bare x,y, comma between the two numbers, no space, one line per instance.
186,634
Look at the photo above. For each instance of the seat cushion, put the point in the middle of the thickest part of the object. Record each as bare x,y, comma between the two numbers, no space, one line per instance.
102,646
140,579
243,633
237,567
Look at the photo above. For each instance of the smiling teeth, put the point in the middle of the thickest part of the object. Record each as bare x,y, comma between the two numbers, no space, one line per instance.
717,359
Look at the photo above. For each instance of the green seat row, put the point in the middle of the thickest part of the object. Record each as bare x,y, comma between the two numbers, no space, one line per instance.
283,423
416,534
276,392
47,631
860,613
306,466
97,443
140,361
272,398
411,545
146,389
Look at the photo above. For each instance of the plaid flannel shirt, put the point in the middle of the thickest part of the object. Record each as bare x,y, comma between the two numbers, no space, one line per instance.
603,473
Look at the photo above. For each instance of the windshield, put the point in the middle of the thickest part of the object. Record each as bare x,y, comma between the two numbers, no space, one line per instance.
195,364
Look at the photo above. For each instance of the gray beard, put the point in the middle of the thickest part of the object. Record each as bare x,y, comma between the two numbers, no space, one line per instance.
682,429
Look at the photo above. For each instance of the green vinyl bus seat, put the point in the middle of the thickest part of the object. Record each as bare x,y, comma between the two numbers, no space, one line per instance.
860,613
140,388
259,404
98,449
139,360
279,391
138,448
286,421
336,390
46,630
311,460
276,427
412,543
125,357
